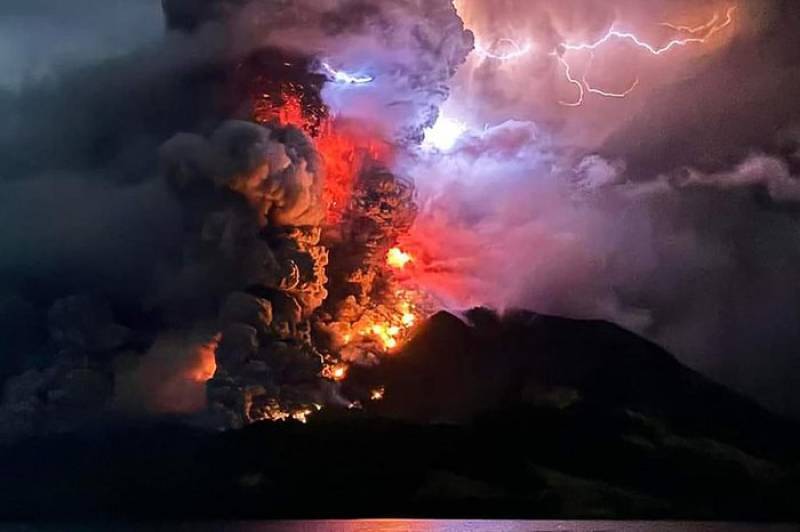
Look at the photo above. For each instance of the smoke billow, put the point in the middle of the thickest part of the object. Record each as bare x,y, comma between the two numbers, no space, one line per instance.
170,378
169,253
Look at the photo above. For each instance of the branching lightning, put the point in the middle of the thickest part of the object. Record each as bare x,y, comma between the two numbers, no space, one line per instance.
340,76
584,86
694,30
712,30
600,92
573,81
697,35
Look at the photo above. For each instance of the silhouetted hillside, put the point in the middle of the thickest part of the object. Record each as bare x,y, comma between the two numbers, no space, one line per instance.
525,416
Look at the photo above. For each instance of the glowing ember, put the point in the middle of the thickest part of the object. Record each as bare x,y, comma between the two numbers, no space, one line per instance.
207,363
377,394
302,415
386,333
336,372
391,327
397,258
275,412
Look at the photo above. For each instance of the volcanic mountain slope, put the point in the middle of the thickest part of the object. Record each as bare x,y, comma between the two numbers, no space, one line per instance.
522,416
455,370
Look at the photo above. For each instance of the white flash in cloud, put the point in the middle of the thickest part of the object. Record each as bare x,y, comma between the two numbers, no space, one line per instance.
340,76
444,134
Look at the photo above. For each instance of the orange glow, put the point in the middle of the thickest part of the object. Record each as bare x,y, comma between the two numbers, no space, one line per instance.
386,334
302,415
335,371
291,112
275,412
377,394
206,361
397,258
345,154
389,325
345,151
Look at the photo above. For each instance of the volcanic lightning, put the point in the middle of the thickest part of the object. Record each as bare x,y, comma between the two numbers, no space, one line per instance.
340,76
444,134
713,29
513,50
507,49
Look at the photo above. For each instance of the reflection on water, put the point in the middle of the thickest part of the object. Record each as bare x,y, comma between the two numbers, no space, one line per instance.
415,525
410,525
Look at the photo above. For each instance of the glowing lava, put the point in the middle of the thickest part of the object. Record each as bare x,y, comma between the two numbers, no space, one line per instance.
336,371
385,327
398,259
386,333
377,394
344,150
372,314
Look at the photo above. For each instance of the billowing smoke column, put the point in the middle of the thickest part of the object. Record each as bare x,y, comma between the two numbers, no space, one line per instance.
254,195
278,130
315,294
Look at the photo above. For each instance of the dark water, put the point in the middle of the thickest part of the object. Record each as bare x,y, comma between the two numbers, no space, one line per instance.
411,525
404,525
498,526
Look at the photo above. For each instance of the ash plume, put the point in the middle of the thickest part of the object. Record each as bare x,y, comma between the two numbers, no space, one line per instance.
173,250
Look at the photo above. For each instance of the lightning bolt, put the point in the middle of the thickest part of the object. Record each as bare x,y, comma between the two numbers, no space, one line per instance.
712,29
340,76
584,86
697,35
515,51
694,30
600,92
577,83
708,30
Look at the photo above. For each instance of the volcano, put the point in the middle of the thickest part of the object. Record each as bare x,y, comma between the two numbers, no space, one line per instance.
522,415
238,257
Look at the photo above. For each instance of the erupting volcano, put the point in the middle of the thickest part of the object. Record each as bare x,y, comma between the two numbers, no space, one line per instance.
324,232
336,186
329,205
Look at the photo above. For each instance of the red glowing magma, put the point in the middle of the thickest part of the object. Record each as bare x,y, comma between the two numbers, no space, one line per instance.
345,150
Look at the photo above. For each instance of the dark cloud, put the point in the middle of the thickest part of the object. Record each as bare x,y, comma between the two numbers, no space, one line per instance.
38,38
